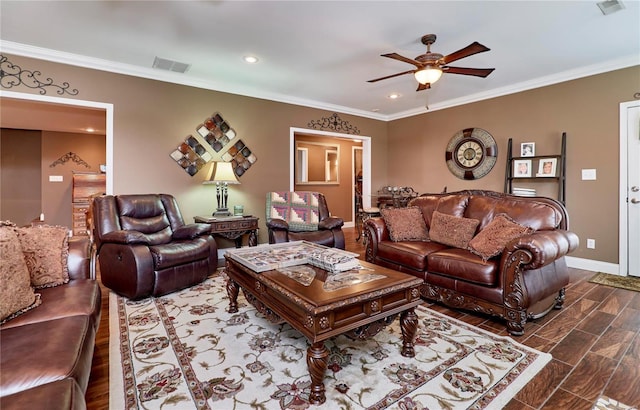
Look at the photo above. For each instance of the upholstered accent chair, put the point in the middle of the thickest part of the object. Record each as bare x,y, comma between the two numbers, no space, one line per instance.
302,215
144,248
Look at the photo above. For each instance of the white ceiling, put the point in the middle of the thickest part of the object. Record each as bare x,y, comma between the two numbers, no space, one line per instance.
320,53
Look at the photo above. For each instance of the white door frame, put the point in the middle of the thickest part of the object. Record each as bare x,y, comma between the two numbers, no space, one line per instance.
78,103
623,259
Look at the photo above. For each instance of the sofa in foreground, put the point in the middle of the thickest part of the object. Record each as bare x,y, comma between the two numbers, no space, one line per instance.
46,346
484,251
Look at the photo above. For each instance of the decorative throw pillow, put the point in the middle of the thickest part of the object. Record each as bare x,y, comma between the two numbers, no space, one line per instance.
16,293
299,209
494,237
45,249
405,224
452,230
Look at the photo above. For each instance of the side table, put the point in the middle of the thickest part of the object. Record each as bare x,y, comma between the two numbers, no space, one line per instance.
233,228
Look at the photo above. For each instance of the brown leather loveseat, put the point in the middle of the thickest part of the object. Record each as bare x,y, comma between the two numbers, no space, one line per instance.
144,248
523,277
46,352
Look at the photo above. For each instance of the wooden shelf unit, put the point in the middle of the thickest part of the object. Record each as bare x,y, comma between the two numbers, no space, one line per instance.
559,178
85,186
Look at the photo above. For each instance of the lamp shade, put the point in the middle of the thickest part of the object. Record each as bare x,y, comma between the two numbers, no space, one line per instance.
221,172
428,75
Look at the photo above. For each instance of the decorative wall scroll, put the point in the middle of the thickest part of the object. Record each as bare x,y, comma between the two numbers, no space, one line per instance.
192,155
334,123
11,75
69,156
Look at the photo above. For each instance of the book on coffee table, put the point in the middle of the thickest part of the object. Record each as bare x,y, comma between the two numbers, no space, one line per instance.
266,257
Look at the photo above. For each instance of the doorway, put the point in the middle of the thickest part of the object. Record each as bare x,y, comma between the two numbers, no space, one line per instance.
629,261
347,179
108,108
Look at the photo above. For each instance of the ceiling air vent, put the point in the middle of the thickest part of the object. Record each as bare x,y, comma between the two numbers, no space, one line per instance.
170,65
610,6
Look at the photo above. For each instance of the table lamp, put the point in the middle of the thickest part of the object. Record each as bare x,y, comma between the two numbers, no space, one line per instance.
221,175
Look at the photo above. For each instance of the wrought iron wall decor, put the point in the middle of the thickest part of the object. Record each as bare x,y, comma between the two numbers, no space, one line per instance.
334,123
69,156
192,155
11,75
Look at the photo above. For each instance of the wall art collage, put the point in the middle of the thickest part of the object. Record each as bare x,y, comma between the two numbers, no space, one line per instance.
192,156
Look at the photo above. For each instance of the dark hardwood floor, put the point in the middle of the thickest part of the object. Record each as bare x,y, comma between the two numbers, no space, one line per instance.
594,340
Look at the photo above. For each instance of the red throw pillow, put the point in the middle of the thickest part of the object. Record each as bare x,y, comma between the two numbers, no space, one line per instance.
452,230
494,237
405,224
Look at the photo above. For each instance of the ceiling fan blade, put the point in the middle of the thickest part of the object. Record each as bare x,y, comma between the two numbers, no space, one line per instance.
397,56
391,76
423,86
471,49
478,72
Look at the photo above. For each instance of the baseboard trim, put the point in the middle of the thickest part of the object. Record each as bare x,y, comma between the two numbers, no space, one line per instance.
592,265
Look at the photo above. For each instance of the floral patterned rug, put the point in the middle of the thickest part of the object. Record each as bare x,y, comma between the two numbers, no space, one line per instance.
184,351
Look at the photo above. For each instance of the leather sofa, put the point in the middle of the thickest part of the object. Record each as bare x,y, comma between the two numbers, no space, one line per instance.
144,248
46,353
524,281
329,232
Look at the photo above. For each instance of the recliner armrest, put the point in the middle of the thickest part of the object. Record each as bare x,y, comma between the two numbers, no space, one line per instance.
278,224
331,222
191,231
125,237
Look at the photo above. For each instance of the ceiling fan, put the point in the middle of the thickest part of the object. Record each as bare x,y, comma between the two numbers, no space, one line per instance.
430,66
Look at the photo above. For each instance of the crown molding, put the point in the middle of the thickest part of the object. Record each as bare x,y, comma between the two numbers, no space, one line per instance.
176,78
612,65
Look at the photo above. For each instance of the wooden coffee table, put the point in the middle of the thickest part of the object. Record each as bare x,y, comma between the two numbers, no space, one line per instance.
358,310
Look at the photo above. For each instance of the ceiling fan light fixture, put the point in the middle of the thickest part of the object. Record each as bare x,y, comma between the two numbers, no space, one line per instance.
428,75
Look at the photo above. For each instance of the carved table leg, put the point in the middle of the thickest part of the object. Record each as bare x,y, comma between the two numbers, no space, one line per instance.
409,327
317,355
232,291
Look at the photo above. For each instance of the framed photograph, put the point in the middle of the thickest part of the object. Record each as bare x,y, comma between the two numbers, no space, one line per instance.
528,149
547,167
522,168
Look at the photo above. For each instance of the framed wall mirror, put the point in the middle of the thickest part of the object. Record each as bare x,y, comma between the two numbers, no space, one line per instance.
317,163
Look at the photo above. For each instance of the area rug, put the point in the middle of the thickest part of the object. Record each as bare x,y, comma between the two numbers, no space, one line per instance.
184,351
616,281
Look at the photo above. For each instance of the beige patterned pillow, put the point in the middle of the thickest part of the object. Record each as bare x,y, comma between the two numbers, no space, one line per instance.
494,237
45,249
452,230
16,293
405,224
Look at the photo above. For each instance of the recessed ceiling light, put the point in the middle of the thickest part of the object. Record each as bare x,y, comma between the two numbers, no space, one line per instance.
251,59
394,96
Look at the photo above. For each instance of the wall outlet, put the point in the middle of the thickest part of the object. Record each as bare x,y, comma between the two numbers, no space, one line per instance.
591,243
55,178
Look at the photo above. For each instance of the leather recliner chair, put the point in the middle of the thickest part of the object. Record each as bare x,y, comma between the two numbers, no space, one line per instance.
144,248
328,233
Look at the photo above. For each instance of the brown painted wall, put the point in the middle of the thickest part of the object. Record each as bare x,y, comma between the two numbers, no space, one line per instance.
20,175
57,195
29,159
151,118
587,109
